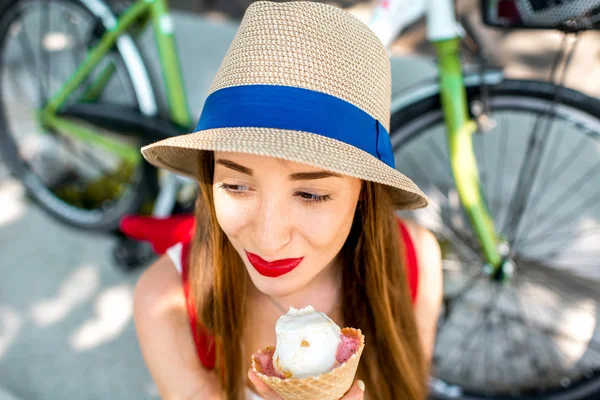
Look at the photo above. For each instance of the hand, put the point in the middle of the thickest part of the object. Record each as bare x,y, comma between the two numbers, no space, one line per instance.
355,392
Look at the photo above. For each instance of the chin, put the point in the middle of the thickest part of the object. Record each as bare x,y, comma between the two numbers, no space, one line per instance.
280,287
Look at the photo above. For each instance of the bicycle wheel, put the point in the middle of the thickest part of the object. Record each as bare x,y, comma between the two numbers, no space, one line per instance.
41,45
533,332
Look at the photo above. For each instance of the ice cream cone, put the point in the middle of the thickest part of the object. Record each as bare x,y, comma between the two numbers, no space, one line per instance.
327,386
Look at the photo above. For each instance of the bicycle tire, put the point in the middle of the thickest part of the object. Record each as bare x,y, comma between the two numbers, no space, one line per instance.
422,118
132,75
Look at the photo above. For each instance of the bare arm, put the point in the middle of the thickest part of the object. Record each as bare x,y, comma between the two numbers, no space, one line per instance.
429,295
165,337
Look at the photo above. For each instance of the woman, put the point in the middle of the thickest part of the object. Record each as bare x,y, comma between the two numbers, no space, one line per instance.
296,207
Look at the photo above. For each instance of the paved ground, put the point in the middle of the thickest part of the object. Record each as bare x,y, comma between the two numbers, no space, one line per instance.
65,310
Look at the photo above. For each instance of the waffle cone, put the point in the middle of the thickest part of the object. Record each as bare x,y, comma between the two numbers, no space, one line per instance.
331,385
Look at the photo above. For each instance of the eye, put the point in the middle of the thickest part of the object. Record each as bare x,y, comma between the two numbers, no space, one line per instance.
235,190
313,198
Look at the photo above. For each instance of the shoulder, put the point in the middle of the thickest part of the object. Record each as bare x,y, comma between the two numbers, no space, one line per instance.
429,261
161,284
158,284
163,331
159,306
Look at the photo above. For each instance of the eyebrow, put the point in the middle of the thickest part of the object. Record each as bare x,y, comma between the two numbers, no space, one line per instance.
298,176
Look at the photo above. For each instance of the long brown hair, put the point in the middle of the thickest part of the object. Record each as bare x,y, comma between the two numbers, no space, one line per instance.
376,295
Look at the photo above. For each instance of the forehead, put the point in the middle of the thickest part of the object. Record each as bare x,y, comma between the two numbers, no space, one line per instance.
260,162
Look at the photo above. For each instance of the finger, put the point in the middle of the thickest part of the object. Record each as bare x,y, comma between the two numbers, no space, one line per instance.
356,392
262,388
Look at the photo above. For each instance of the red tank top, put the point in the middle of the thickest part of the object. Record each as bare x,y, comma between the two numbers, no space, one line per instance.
204,342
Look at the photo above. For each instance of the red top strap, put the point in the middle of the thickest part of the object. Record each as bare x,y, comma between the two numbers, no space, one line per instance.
412,266
205,345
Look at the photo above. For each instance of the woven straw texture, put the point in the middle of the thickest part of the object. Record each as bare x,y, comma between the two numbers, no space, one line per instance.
329,386
312,46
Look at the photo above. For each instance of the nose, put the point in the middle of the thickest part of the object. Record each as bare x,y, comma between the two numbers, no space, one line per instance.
272,228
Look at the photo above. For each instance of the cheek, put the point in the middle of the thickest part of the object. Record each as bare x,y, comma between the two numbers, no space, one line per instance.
326,230
232,214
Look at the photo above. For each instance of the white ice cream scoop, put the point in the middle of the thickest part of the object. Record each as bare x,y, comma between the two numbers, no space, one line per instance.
307,343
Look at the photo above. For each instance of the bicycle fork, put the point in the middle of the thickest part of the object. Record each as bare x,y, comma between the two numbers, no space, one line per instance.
445,35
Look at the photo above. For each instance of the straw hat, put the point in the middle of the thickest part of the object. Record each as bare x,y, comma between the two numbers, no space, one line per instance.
305,82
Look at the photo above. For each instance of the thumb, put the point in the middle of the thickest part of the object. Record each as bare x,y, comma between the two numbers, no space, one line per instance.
356,392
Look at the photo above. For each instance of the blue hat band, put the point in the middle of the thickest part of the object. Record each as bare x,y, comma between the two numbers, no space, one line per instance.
292,108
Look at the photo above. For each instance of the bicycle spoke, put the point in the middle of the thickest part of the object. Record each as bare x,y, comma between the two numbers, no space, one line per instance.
552,178
571,191
561,292
451,303
537,191
79,49
120,76
487,331
89,158
500,169
589,344
481,160
471,269
549,161
527,174
568,298
439,154
534,151
593,263
467,337
31,61
489,309
435,209
15,89
74,31
505,324
569,217
535,241
484,178
562,168
466,375
45,64
564,250
579,261
557,352
585,287
539,367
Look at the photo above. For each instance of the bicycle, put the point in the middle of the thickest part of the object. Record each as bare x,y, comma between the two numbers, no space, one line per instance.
85,168
482,243
497,254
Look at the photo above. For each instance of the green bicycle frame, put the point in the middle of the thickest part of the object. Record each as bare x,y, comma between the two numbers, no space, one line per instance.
460,128
140,11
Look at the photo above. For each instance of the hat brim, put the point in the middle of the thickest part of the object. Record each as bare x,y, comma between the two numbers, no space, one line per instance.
179,154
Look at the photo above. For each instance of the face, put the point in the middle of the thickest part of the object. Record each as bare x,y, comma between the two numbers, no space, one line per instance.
287,221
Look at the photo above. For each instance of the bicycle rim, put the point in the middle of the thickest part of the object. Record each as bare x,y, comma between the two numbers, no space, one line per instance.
536,334
86,186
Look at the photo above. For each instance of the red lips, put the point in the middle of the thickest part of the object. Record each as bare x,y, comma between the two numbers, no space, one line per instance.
273,269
